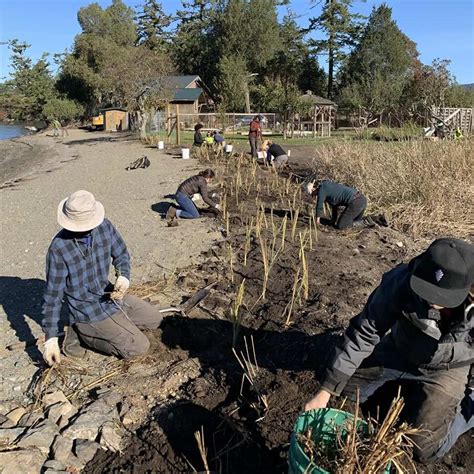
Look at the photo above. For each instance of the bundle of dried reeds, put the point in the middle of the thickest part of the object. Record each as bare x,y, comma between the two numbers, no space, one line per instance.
366,452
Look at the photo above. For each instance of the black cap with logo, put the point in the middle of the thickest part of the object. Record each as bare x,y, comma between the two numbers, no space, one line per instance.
444,273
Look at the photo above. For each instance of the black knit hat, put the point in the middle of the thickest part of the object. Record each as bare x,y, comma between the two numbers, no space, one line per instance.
444,273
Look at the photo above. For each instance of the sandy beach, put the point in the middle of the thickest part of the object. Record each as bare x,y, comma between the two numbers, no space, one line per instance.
37,172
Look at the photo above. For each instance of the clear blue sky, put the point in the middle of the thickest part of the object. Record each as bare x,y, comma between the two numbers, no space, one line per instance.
441,28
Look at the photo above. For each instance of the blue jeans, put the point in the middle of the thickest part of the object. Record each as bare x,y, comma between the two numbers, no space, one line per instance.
188,208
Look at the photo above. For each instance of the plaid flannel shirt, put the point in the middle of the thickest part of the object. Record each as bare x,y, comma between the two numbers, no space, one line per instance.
80,274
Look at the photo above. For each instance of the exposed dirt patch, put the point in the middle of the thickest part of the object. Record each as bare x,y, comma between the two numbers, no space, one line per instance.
247,425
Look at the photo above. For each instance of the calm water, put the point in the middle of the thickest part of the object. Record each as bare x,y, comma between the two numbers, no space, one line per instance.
11,131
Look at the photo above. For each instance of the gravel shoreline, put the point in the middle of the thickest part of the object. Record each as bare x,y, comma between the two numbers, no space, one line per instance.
40,171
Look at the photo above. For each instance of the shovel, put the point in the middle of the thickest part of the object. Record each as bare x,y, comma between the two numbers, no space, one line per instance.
191,302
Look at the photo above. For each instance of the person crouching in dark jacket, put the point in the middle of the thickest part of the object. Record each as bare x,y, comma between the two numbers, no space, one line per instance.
337,195
198,140
276,155
417,331
187,191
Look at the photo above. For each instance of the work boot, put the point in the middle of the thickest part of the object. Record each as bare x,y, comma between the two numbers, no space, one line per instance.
173,223
368,221
72,345
171,214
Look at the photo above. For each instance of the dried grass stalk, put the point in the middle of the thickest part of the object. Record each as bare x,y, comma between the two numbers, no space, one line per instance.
199,435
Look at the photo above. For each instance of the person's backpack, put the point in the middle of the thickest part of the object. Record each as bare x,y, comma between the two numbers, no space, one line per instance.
142,162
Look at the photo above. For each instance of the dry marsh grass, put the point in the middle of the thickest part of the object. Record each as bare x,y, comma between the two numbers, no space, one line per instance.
425,188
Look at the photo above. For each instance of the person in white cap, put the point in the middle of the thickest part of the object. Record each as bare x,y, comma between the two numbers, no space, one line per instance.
102,317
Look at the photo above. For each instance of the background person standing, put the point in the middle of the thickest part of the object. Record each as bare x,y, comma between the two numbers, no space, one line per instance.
255,135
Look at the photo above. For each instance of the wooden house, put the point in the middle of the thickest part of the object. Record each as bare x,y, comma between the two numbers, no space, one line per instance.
189,94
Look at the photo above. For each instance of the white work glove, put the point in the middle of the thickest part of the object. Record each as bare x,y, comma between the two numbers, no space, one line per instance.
309,188
52,354
120,288
196,197
218,207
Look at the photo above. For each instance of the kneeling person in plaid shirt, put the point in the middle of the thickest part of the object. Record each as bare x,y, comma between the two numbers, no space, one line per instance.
102,317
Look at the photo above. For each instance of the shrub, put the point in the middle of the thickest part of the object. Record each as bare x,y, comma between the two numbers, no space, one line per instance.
62,109
407,132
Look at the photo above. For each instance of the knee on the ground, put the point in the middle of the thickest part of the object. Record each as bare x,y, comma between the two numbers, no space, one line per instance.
141,346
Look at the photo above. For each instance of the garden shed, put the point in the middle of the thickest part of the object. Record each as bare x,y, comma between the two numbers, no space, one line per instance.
115,119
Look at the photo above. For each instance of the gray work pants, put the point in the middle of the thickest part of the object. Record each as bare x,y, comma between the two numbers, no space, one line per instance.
120,334
432,402
353,212
280,161
253,146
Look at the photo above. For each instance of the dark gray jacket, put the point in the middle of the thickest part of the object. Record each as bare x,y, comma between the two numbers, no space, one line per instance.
414,329
196,185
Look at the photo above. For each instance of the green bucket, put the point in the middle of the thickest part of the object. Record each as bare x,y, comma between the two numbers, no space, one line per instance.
323,423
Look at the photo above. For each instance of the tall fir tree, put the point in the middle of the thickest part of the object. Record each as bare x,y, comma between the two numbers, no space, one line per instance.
380,66
153,26
341,28
193,49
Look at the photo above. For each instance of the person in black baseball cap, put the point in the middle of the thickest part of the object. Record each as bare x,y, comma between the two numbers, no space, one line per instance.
415,331
442,275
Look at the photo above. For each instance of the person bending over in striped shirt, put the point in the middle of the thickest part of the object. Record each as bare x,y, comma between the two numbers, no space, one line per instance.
101,316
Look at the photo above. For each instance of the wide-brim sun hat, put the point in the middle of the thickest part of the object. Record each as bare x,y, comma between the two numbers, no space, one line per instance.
444,273
80,212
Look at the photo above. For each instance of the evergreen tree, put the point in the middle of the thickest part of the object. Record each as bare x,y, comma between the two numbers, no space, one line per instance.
152,26
31,85
312,76
380,66
342,29
193,49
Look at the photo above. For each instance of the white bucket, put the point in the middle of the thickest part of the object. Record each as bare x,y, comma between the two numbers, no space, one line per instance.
185,153
261,154
229,148
161,145
288,154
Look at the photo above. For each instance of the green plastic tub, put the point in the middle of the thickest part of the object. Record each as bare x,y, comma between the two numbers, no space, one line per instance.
323,423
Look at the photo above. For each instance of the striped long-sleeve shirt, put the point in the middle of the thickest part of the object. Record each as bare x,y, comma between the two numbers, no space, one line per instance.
77,270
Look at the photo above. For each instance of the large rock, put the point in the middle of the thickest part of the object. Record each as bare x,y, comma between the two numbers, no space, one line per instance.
111,436
26,461
89,421
85,450
9,435
61,412
111,397
53,398
62,449
41,436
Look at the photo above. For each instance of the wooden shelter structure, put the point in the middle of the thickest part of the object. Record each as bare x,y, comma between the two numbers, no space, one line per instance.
318,118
